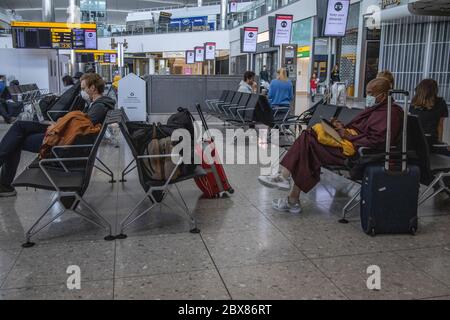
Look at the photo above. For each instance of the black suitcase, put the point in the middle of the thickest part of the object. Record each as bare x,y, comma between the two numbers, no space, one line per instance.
389,198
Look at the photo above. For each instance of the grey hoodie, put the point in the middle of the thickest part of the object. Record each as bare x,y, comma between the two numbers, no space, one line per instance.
98,109
245,87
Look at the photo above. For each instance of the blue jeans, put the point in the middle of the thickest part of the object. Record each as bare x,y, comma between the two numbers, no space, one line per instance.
23,135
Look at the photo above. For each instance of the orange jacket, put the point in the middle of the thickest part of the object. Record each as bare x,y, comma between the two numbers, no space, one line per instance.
66,130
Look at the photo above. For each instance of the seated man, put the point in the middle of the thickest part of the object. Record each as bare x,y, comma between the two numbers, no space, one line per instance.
28,135
305,158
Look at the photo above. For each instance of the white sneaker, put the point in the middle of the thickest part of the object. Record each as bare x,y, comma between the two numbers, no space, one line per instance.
276,181
285,206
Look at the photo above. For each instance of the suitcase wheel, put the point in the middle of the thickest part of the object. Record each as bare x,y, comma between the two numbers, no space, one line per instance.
231,191
413,231
372,232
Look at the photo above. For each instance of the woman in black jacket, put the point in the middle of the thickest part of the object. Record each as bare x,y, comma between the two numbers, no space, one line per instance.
432,111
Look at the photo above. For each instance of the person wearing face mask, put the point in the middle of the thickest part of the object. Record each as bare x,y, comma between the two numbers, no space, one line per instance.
29,135
305,158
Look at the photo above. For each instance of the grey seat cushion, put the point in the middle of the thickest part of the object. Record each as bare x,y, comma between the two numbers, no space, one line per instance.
36,178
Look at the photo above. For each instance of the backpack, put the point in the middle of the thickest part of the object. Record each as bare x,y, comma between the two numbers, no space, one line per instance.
159,168
183,119
46,103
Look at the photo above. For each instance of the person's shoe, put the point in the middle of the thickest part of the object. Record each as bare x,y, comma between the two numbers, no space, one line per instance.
276,181
284,205
6,191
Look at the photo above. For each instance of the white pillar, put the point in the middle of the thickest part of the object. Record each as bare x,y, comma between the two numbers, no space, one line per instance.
48,11
151,66
223,14
200,3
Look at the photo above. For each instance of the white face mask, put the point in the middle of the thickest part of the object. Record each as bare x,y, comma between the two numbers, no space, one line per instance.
371,101
85,96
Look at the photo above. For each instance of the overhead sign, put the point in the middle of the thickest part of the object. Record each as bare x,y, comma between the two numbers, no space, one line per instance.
388,3
53,35
233,7
283,29
249,39
210,51
199,54
190,56
336,19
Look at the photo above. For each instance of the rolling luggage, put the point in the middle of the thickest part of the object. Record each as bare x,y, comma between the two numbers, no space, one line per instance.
389,197
215,183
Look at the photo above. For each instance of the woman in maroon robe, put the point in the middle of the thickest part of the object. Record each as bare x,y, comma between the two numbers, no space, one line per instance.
306,156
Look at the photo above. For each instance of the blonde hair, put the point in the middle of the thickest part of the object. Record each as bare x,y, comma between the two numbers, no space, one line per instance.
388,76
282,75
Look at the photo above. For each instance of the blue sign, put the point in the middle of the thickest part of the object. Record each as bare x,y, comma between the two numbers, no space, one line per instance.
189,22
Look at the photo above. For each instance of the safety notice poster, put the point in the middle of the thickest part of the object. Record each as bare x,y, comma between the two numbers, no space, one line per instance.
337,15
190,57
283,28
210,51
250,40
199,54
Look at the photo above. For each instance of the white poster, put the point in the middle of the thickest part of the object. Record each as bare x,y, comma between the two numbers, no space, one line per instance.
250,40
133,97
283,27
90,39
190,57
233,7
199,54
337,15
210,51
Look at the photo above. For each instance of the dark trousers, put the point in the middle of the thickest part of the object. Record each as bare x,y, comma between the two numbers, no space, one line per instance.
4,111
23,135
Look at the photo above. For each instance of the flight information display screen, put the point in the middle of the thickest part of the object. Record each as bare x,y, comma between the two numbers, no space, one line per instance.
53,35
61,38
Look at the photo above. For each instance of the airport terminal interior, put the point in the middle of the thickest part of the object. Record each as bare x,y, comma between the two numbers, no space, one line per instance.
324,175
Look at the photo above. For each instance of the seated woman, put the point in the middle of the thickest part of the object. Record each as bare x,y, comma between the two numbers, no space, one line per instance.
305,158
432,111
28,135
281,94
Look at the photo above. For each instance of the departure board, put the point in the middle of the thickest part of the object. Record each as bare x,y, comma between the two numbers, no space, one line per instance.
53,35
61,38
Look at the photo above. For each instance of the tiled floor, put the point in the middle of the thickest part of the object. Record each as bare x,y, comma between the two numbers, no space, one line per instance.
246,250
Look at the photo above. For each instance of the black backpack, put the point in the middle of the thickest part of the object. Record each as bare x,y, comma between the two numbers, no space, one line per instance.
183,119
46,103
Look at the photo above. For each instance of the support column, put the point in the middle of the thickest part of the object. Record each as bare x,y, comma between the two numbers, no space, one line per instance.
200,3
48,11
223,14
74,17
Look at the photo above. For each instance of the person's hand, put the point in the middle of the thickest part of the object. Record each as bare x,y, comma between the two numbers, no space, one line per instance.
254,86
337,124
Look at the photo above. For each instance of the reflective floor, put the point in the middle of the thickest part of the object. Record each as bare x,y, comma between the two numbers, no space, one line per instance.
245,250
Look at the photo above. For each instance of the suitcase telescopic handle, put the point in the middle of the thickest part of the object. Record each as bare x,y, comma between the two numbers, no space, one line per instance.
389,128
403,92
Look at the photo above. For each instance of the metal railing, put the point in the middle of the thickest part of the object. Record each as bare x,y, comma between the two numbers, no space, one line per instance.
259,9
159,29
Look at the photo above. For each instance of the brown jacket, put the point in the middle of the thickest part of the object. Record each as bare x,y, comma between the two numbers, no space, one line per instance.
66,130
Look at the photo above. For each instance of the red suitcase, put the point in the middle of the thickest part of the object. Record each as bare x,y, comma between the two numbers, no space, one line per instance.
215,183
